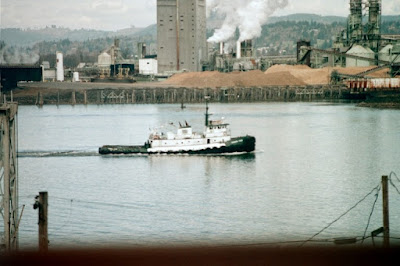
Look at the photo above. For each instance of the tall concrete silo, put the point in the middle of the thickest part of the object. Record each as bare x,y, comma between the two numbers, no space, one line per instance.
60,66
181,34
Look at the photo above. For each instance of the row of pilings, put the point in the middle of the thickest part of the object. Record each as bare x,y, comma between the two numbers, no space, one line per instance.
183,95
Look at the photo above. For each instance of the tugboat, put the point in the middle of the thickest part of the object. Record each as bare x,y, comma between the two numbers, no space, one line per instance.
216,139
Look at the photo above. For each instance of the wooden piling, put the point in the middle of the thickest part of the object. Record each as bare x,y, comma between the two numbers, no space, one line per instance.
385,201
43,222
98,97
73,98
39,100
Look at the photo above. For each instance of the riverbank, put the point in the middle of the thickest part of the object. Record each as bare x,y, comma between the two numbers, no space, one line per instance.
387,105
382,101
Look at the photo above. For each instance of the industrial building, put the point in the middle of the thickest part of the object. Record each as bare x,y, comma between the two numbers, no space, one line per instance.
360,44
181,35
112,67
228,59
10,75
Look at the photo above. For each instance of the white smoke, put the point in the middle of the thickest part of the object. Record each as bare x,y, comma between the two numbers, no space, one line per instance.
246,15
12,55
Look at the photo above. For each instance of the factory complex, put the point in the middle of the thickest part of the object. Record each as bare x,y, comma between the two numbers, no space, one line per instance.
185,59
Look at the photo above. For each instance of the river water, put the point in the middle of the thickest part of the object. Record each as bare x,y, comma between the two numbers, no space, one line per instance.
313,163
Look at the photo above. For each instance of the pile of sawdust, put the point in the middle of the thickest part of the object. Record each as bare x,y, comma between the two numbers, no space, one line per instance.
277,75
216,79
303,73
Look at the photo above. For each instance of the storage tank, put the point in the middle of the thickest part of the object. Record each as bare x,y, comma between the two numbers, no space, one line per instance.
104,60
148,66
75,77
361,51
60,66
388,53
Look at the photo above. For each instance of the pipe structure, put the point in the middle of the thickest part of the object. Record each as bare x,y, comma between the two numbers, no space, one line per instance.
355,26
374,24
374,20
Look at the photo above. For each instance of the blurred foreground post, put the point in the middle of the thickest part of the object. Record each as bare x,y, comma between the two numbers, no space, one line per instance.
42,204
385,200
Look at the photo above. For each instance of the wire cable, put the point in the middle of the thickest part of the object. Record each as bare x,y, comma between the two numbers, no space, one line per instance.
68,218
372,211
327,240
394,174
337,219
391,181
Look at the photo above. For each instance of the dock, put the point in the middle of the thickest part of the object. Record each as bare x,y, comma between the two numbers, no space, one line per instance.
92,93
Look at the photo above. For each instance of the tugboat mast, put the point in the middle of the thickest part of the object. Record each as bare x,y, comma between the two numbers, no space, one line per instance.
207,99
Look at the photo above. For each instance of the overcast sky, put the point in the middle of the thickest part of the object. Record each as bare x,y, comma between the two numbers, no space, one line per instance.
120,14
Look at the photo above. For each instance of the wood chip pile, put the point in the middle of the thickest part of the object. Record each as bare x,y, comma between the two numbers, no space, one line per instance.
277,75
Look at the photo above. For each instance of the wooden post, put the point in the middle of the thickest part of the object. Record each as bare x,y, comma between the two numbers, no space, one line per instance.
7,193
41,101
84,97
43,221
73,100
9,179
385,200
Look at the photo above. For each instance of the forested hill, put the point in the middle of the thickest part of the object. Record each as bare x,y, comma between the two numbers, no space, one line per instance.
28,37
278,37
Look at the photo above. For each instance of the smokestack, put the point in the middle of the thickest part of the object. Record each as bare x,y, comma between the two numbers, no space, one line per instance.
60,66
221,48
141,50
238,49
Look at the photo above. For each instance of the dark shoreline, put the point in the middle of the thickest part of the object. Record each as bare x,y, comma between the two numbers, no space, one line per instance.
380,105
389,100
52,93
68,93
